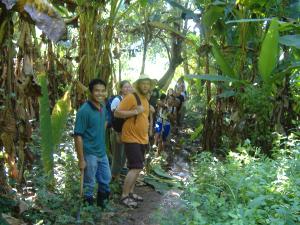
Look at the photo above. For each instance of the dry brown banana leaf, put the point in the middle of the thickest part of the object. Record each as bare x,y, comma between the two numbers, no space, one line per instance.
44,16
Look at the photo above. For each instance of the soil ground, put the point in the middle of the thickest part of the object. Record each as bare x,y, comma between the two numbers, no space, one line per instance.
153,201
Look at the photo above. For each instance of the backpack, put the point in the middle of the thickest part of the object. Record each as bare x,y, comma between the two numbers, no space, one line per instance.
110,114
117,123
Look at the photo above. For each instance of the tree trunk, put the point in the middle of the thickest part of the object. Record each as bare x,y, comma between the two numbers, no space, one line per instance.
8,129
207,141
144,55
147,39
4,188
176,60
184,53
89,48
95,45
120,69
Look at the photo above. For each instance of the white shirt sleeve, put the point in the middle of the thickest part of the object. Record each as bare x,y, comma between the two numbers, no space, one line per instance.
115,103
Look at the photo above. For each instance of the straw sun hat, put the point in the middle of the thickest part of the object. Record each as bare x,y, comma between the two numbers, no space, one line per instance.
145,77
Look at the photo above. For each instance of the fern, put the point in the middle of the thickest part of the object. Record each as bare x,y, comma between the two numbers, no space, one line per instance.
46,127
59,117
51,127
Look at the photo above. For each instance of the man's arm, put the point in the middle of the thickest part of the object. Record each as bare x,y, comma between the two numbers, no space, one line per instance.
128,113
79,149
127,108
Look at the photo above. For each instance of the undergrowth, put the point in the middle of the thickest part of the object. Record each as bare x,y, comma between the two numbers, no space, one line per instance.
246,188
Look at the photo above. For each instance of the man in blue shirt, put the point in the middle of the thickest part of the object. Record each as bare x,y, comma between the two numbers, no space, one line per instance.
89,136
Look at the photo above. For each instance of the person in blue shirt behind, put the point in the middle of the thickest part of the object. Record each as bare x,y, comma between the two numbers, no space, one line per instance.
89,137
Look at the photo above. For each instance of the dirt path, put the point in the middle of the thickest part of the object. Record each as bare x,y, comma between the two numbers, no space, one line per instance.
153,202
139,216
145,214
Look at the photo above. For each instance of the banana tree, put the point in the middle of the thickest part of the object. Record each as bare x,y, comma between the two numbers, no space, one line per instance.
245,49
20,90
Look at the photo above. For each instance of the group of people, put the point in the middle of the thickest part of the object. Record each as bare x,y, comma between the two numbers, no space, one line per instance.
131,117
168,114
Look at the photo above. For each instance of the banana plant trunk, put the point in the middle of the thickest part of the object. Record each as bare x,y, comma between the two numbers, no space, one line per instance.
89,46
207,140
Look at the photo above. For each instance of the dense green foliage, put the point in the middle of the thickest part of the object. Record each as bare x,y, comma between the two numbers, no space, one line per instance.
240,59
246,188
60,205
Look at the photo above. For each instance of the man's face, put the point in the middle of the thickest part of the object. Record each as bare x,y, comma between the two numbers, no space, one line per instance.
144,86
99,93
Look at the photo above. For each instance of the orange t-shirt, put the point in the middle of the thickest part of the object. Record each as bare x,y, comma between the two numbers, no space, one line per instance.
135,130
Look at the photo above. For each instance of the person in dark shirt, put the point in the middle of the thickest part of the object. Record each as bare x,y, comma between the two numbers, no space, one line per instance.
154,97
89,137
180,101
153,102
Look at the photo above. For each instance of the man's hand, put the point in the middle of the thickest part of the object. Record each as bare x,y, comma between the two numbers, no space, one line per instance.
139,109
82,164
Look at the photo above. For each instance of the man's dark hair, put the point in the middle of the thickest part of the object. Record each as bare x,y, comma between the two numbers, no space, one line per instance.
163,96
95,82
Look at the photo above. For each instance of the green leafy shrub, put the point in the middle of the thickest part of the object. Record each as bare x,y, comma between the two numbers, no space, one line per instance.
255,116
61,204
247,188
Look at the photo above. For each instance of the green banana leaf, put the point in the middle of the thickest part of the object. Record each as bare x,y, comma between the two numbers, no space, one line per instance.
248,20
221,61
160,172
268,57
227,94
212,14
59,117
212,78
290,40
161,185
45,127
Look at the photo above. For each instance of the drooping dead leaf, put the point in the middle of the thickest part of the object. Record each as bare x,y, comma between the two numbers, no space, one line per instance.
44,16
21,84
28,65
80,88
8,143
9,3
46,19
8,122
27,86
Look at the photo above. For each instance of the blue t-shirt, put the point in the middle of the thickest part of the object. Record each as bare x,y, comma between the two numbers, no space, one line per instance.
90,125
